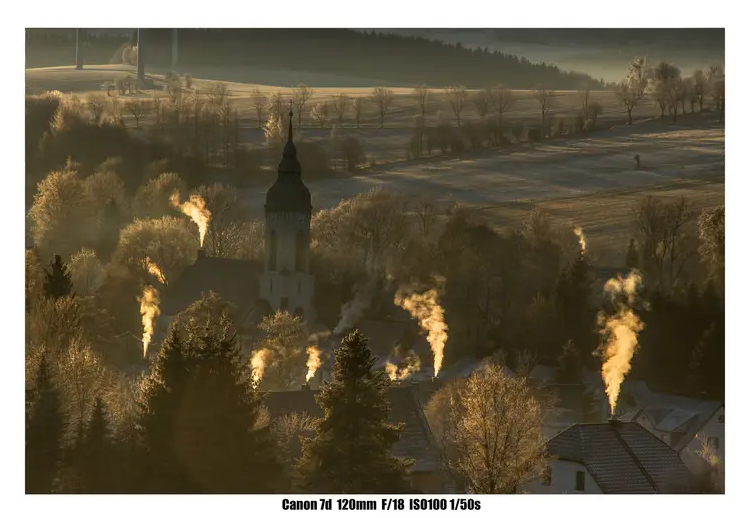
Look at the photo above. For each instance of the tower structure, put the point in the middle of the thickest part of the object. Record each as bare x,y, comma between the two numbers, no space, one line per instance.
286,282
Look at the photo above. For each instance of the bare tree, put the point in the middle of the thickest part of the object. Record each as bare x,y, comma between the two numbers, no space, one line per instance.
482,102
584,93
340,106
275,105
715,77
97,104
502,100
301,95
422,94
664,239
456,96
227,218
382,97
260,101
711,228
82,377
699,87
546,99
631,90
320,113
427,213
359,109
490,430
138,110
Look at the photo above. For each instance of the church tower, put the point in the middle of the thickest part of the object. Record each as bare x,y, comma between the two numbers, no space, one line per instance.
286,282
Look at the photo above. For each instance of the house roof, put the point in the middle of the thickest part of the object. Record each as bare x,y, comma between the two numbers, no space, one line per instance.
683,416
623,457
234,280
415,441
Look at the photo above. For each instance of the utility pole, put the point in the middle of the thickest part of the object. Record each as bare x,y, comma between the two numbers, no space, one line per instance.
140,66
174,48
80,34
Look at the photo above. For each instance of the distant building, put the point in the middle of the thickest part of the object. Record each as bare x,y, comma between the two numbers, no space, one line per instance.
613,457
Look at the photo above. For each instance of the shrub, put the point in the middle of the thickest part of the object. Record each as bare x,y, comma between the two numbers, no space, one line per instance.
535,134
472,133
558,127
353,153
457,145
40,110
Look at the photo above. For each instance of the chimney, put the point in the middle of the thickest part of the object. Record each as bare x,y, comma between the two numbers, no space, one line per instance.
201,254
305,387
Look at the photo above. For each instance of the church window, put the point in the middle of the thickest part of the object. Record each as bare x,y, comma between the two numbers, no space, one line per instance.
272,252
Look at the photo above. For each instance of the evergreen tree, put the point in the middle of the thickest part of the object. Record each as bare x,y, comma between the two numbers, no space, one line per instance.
351,452
569,364
57,281
44,433
572,293
200,425
95,453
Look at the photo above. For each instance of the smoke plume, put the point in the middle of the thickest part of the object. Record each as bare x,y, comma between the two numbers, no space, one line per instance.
352,311
578,231
196,209
154,270
426,309
149,301
258,364
403,369
313,362
620,334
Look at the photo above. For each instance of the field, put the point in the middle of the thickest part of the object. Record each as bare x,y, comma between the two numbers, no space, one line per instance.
588,181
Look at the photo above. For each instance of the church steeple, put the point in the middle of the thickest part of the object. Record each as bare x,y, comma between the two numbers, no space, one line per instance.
289,193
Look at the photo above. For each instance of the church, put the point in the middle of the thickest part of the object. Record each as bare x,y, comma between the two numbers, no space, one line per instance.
282,281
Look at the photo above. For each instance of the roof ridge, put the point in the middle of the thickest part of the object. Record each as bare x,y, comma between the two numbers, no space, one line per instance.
633,455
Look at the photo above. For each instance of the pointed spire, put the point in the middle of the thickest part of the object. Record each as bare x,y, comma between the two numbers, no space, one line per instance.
291,113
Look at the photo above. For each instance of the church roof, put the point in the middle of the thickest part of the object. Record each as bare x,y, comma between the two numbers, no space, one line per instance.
234,280
289,193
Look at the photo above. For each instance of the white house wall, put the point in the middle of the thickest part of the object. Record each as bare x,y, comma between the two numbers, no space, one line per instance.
563,480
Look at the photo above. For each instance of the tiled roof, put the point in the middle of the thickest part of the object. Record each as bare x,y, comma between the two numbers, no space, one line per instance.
415,441
234,280
623,458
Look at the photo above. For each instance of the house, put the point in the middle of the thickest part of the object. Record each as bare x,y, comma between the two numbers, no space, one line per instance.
427,474
684,424
612,457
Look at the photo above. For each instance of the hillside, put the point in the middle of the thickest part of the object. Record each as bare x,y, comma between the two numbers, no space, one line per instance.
377,56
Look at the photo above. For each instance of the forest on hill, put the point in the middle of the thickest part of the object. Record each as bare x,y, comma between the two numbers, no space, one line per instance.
384,57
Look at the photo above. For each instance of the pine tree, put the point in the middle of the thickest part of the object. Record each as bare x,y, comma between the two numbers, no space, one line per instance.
44,433
351,452
572,295
200,424
57,281
569,364
95,453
